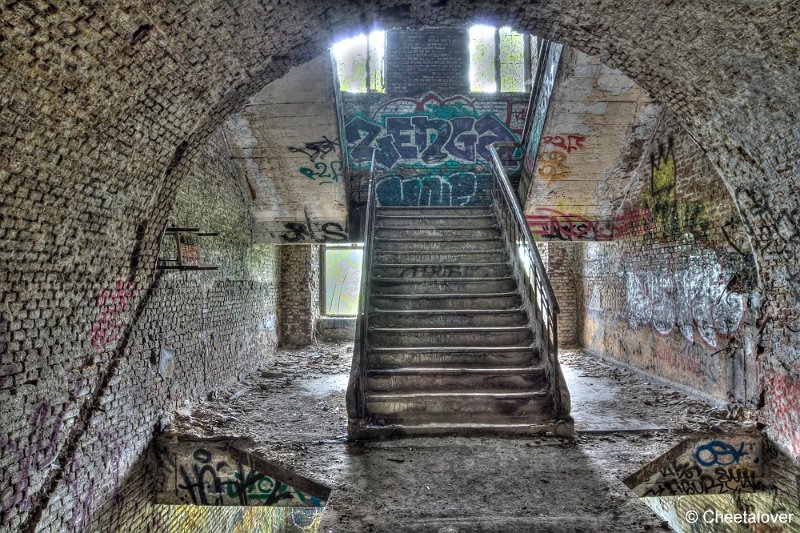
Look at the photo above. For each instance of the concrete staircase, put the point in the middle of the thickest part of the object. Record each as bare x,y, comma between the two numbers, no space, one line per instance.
449,346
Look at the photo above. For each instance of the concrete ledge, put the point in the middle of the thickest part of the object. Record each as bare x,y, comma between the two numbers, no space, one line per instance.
336,328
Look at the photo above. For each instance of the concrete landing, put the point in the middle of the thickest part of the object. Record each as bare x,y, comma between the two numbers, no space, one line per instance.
294,412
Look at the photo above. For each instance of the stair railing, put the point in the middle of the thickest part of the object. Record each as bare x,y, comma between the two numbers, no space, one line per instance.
358,370
537,294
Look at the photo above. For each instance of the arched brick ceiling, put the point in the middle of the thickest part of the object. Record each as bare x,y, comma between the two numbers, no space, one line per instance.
104,103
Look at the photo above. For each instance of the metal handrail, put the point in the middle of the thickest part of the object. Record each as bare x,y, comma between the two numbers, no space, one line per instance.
340,120
356,383
532,275
541,51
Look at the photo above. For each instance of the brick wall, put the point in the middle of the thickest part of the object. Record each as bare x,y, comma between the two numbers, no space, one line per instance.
674,294
103,107
89,406
427,60
564,278
299,294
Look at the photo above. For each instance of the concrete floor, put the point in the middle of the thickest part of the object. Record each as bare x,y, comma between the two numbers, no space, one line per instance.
294,409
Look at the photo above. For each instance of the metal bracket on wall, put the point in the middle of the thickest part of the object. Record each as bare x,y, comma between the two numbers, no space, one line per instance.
188,250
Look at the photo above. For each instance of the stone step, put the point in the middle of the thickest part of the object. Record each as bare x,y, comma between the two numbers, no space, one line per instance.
434,212
483,244
514,426
456,406
479,337
456,356
450,234
497,300
420,379
441,270
449,318
427,221
432,286
495,255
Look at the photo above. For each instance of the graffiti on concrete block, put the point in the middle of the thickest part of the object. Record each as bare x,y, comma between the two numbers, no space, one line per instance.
323,172
214,474
210,482
568,143
299,232
719,453
456,189
557,225
725,465
552,166
113,304
434,132
689,294
316,149
686,478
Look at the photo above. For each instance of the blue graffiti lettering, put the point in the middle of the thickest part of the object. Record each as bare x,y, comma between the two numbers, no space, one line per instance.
719,453
456,189
423,139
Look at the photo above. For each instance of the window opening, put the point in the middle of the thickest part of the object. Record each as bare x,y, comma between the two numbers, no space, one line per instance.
500,59
342,279
360,62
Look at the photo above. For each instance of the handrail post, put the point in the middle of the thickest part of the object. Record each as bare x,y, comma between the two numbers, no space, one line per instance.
356,384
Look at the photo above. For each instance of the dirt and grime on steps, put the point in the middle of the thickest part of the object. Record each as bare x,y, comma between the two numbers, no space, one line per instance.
294,410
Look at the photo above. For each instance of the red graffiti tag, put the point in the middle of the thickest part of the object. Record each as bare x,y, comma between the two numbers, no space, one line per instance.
633,224
112,303
554,224
569,143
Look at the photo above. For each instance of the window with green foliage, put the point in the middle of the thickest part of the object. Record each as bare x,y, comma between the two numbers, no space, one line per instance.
360,63
500,60
342,279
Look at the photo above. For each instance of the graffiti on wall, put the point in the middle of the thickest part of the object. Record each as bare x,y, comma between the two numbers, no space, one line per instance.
82,498
38,450
632,223
688,293
689,366
782,391
552,224
781,226
557,225
433,132
455,189
113,304
670,218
